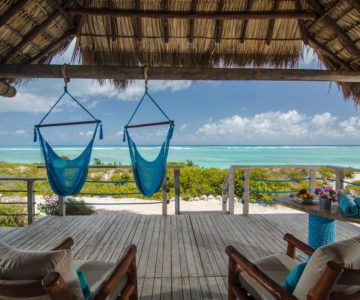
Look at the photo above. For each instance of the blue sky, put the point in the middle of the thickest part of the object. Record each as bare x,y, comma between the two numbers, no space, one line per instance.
223,112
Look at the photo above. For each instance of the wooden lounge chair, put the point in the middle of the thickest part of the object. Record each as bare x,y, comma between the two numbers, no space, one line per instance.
106,280
326,275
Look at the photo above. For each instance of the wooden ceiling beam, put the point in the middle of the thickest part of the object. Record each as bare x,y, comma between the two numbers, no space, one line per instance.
33,33
245,22
324,15
166,22
355,4
124,73
288,15
138,22
270,30
192,21
301,23
63,11
347,42
112,22
12,11
219,23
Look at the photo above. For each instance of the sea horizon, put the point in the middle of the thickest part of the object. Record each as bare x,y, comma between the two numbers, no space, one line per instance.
220,156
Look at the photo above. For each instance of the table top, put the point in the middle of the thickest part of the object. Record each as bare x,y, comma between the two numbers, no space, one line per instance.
314,209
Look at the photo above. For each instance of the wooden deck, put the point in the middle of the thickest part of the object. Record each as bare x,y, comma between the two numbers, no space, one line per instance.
179,257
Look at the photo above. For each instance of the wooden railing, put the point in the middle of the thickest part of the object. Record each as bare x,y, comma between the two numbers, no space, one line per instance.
30,181
30,196
228,186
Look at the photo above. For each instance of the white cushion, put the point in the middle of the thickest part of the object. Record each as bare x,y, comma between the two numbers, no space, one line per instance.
277,267
35,265
96,272
345,252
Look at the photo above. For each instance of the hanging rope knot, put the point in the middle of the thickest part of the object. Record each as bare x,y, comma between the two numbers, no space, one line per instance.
66,78
146,77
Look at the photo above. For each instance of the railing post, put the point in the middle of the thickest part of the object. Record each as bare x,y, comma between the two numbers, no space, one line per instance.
62,206
339,179
246,191
224,194
177,190
231,189
30,201
312,183
164,195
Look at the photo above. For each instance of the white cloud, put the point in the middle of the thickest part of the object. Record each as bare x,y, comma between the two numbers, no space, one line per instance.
183,127
279,127
87,133
20,132
309,56
3,132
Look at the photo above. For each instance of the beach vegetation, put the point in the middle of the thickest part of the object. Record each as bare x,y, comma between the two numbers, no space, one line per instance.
50,207
13,215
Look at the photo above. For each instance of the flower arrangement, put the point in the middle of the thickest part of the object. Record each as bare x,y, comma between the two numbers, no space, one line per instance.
326,192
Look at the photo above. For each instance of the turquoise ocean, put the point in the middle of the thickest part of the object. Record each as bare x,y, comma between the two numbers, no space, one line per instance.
204,156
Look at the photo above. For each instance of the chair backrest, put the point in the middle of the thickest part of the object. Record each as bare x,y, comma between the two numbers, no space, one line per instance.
21,288
337,277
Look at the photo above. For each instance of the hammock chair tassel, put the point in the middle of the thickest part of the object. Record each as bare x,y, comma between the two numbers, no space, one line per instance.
101,135
35,135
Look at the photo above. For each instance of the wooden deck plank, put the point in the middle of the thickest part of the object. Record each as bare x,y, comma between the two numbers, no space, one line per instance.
178,257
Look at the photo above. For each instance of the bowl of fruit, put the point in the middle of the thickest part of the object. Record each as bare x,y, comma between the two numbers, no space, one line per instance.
306,197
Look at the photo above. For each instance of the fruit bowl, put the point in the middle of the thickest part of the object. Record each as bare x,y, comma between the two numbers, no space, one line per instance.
305,197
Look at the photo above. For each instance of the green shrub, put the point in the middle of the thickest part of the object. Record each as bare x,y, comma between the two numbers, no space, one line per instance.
13,221
51,208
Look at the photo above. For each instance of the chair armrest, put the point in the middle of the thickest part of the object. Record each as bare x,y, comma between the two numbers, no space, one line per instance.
253,270
125,266
65,244
294,243
56,287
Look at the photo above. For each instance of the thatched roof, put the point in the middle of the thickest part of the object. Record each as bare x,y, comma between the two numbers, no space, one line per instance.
165,33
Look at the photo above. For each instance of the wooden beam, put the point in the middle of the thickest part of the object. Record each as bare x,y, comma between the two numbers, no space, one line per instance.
347,42
166,22
112,22
301,24
6,90
245,22
124,73
324,15
192,21
288,15
33,33
271,24
62,10
138,22
12,11
316,45
219,23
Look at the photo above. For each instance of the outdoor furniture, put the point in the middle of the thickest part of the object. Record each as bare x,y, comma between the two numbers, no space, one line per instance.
322,222
326,275
105,280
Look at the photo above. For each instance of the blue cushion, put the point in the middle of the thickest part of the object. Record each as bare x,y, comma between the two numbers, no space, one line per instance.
293,278
84,285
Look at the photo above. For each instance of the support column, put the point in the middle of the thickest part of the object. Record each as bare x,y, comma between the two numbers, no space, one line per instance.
246,191
312,182
177,190
339,179
164,196
30,202
231,189
62,206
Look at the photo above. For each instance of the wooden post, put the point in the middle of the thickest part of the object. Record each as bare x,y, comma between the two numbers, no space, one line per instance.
224,197
62,206
246,191
30,202
177,190
231,189
339,179
233,278
164,196
312,183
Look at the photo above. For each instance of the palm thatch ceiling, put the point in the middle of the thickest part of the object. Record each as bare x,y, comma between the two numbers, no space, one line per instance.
184,33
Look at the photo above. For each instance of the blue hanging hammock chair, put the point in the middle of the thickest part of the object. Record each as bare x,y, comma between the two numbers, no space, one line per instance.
66,177
148,175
